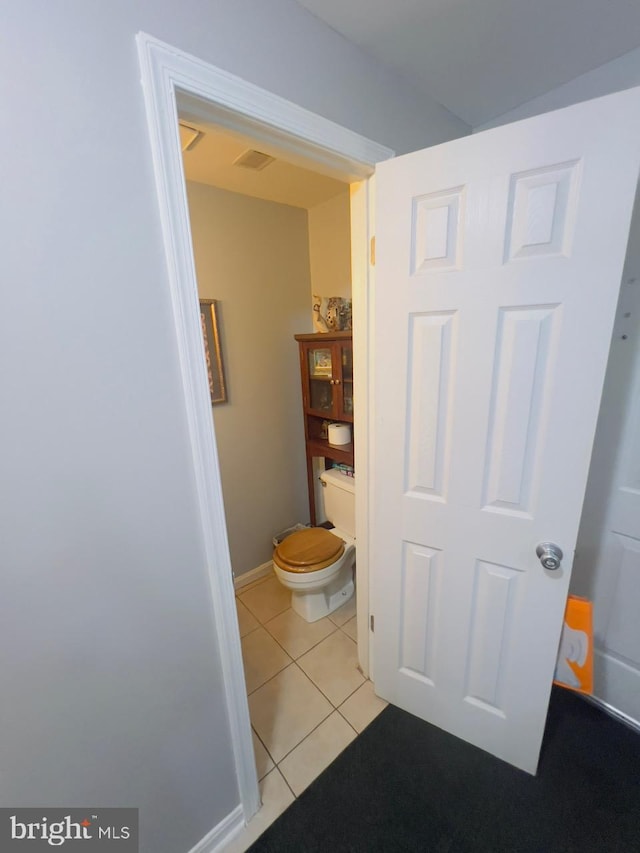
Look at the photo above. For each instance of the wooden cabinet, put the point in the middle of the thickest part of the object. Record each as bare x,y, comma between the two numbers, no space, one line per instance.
326,370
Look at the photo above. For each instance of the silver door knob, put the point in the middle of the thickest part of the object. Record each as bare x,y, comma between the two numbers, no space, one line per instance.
550,555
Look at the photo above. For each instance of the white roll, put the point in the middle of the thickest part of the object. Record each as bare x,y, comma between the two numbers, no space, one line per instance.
339,434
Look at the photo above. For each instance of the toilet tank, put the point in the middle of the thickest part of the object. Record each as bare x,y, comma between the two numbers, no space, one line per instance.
339,493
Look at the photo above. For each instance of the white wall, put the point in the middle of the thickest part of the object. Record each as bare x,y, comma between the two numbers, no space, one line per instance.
113,691
253,256
614,76
330,246
607,563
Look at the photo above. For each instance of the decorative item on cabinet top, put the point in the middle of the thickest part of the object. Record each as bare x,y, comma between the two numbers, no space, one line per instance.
209,311
331,314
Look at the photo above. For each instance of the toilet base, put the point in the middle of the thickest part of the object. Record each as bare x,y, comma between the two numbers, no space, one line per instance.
312,606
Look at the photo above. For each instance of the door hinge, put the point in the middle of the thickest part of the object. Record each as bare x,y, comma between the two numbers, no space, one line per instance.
373,251
371,623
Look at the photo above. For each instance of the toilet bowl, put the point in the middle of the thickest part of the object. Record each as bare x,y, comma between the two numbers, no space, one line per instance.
317,564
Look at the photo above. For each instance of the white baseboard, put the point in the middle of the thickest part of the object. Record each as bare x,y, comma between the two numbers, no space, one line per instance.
616,687
253,575
613,712
218,838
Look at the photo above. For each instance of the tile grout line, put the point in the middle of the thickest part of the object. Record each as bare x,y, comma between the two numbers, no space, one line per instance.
252,631
293,748
260,622
275,764
352,692
348,635
308,677
255,689
251,589
333,708
253,584
308,735
306,650
286,651
295,661
345,719
275,616
320,690
291,660
293,794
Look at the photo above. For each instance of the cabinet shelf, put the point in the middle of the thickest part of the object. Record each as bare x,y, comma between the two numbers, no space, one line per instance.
327,416
337,452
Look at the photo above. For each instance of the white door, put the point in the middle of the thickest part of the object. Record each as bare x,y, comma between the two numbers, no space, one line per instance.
498,266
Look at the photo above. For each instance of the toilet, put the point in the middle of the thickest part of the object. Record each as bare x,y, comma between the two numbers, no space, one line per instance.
317,564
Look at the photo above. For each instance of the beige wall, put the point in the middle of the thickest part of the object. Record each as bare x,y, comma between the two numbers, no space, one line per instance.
330,259
253,256
330,246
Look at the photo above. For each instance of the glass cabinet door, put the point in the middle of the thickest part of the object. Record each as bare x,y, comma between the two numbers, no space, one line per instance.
321,384
346,380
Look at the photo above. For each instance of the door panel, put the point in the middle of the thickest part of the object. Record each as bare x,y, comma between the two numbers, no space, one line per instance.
432,344
498,265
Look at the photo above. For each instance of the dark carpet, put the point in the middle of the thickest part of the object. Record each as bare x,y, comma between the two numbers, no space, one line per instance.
404,785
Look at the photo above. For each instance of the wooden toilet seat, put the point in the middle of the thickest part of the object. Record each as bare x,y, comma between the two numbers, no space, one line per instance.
308,550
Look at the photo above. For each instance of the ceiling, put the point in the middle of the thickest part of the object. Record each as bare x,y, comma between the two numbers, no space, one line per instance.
481,58
478,58
209,159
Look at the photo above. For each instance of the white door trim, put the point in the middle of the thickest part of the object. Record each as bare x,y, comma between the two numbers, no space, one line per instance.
363,293
169,74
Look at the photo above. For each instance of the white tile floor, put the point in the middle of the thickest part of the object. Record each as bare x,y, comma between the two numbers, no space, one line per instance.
307,698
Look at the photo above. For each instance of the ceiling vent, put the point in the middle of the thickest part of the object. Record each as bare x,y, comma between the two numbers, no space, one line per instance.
255,160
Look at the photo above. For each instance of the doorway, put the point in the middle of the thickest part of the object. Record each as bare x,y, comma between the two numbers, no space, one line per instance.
173,80
262,259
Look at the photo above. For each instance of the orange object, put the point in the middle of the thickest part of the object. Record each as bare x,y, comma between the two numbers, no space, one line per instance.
574,668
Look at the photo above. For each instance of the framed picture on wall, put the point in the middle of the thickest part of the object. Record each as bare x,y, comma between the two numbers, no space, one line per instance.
213,353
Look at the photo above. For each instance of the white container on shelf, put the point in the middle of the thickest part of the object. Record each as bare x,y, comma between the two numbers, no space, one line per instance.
339,434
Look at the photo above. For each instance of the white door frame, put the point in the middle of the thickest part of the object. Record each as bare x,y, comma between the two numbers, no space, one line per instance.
170,76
